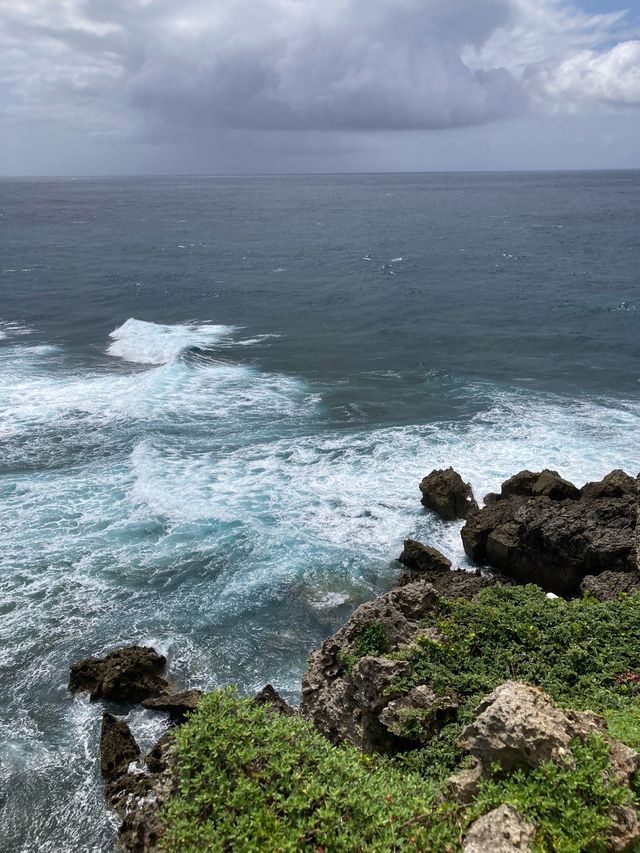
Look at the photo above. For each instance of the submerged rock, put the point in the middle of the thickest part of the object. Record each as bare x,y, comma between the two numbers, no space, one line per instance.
540,532
118,747
445,492
502,830
130,674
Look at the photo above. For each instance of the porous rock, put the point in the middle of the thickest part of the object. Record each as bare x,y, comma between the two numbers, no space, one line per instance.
343,695
423,708
519,726
118,747
177,705
608,585
130,674
537,538
445,492
502,830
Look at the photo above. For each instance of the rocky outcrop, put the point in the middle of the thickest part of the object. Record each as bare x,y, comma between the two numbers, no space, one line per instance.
426,563
177,705
543,530
118,748
130,674
269,698
502,830
445,492
610,585
139,799
422,559
518,726
349,680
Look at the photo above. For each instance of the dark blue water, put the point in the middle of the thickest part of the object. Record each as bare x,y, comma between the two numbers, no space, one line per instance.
217,397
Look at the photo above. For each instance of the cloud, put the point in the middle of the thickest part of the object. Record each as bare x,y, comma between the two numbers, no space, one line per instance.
159,69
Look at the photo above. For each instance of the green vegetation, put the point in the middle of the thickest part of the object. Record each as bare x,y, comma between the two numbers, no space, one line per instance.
252,780
369,639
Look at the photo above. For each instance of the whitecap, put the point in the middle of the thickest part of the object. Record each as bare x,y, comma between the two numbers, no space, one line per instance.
143,342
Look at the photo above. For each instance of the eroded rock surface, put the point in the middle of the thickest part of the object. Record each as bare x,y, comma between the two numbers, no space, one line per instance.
118,747
519,726
348,682
543,530
502,830
610,585
130,674
445,492
177,705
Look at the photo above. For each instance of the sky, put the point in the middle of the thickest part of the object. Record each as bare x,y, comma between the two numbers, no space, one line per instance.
260,86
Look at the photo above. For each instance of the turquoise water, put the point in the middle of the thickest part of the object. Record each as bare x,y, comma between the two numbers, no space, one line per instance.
218,396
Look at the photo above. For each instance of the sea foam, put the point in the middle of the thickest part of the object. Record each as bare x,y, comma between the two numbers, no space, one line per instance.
152,343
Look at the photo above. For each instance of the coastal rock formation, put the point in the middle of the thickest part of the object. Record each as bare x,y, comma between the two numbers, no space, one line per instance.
348,683
118,748
421,559
519,726
139,799
426,563
445,492
130,674
270,697
177,705
611,584
543,530
502,830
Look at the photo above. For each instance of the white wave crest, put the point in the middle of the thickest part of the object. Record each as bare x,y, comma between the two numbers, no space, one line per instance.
152,343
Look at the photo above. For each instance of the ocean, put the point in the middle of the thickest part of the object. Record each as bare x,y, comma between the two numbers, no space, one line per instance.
218,396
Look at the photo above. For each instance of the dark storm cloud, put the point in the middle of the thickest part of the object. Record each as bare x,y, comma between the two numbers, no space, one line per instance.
123,72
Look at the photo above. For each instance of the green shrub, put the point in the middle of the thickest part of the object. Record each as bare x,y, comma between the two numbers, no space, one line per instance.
252,781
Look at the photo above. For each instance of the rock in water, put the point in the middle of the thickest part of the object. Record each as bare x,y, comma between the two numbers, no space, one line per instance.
502,830
422,559
118,748
177,705
538,532
130,674
445,492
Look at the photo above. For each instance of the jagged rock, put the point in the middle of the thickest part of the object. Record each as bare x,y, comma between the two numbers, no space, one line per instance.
546,483
610,585
461,584
270,698
519,726
344,690
423,559
421,709
177,705
502,830
551,485
617,484
118,747
130,674
551,542
445,492
140,799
